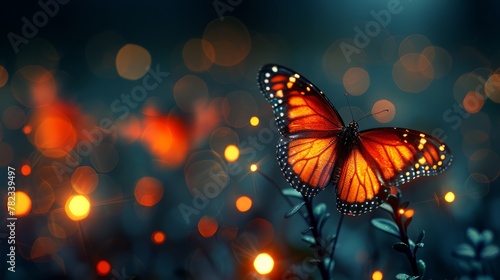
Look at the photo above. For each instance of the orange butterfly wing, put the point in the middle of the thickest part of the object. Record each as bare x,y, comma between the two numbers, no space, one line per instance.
386,157
308,124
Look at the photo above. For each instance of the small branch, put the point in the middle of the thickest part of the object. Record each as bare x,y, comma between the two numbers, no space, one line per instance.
317,236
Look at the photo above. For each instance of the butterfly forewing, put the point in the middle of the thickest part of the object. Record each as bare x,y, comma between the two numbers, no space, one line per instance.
402,155
308,124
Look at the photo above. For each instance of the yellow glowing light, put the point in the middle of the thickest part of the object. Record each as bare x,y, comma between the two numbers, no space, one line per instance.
401,211
253,167
231,153
77,207
263,263
449,197
254,121
409,213
244,203
20,202
377,275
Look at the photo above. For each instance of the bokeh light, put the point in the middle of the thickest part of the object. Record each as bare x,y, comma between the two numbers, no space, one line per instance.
231,153
132,62
449,197
77,207
84,180
253,167
22,205
198,55
243,203
413,73
409,213
377,275
4,76
148,191
26,169
492,87
104,157
166,137
263,263
190,92
207,226
383,116
158,237
238,107
473,102
43,249
356,81
254,121
33,86
221,138
103,267
229,41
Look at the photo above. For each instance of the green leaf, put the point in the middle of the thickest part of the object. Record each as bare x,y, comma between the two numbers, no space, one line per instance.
314,261
387,207
400,247
421,267
464,251
309,239
291,193
320,209
402,276
294,209
421,237
387,226
487,236
322,220
474,236
307,230
420,245
489,252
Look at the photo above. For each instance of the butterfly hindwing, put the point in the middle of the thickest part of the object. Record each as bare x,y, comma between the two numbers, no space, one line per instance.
308,124
359,188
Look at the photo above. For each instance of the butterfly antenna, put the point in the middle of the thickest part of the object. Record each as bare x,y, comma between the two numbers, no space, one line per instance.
373,114
349,104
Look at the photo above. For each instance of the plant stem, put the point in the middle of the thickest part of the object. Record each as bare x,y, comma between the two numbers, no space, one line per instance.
404,238
313,222
334,246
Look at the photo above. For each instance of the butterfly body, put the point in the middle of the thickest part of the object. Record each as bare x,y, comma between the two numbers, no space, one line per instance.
316,148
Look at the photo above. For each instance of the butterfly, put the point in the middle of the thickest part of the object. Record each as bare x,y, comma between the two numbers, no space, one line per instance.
316,148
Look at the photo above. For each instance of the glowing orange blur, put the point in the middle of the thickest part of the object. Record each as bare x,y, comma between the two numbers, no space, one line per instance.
148,191
263,263
158,237
207,226
77,207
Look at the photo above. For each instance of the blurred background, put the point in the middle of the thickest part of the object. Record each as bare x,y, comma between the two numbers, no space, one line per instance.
138,134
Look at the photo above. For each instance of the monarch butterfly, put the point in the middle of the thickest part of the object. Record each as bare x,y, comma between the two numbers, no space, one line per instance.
316,148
